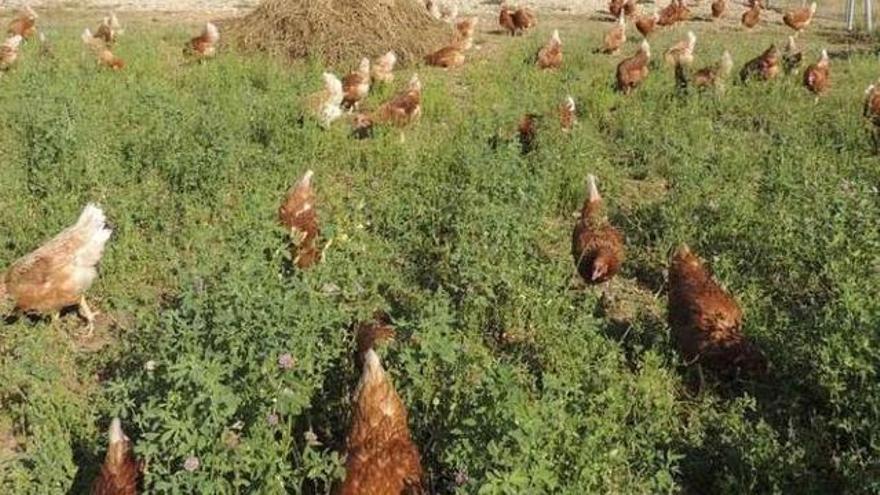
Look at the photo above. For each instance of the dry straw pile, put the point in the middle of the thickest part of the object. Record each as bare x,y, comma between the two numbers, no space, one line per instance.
339,30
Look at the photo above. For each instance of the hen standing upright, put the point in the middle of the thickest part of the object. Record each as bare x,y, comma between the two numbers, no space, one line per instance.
799,18
550,56
751,17
764,67
633,70
817,77
381,458
706,321
646,24
59,272
567,117
24,24
715,75
120,473
297,213
871,108
109,29
718,8
203,46
356,85
615,37
596,246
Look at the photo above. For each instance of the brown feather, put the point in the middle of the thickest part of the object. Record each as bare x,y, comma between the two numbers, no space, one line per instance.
706,321
596,246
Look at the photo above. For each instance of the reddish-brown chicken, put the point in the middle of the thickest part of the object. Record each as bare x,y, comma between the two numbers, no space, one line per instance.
718,8
120,473
871,109
817,77
24,24
751,17
109,29
402,110
567,114
105,57
59,272
764,67
356,85
633,70
203,46
799,18
630,8
646,24
596,246
524,19
505,19
615,37
675,12
615,8
527,133
550,56
447,57
706,321
714,76
381,458
297,213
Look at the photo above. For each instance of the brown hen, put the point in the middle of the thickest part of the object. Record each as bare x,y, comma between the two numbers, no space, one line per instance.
706,321
718,8
120,473
713,76
203,46
615,37
596,246
59,272
448,57
763,67
356,85
297,213
381,458
633,70
403,109
646,24
24,24
550,56
817,77
567,116
871,108
527,133
799,18
751,17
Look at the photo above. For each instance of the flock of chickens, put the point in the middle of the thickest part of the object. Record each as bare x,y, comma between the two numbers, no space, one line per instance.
24,27
706,320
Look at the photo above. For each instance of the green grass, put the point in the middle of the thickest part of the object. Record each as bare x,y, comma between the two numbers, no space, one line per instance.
515,382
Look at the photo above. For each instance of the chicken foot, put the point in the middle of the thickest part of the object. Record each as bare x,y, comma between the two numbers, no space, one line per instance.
89,315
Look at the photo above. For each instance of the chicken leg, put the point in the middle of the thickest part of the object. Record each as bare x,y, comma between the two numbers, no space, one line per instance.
86,312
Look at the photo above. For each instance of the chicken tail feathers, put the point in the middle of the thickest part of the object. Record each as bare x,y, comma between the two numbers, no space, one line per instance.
92,224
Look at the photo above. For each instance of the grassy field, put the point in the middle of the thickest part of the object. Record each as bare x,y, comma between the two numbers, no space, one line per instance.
518,379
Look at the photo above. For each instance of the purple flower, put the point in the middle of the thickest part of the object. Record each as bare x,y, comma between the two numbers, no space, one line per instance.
285,361
191,463
272,419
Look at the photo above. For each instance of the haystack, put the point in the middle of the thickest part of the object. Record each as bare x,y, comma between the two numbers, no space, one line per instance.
339,30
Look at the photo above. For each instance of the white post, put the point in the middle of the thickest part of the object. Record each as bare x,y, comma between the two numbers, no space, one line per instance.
850,14
869,16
